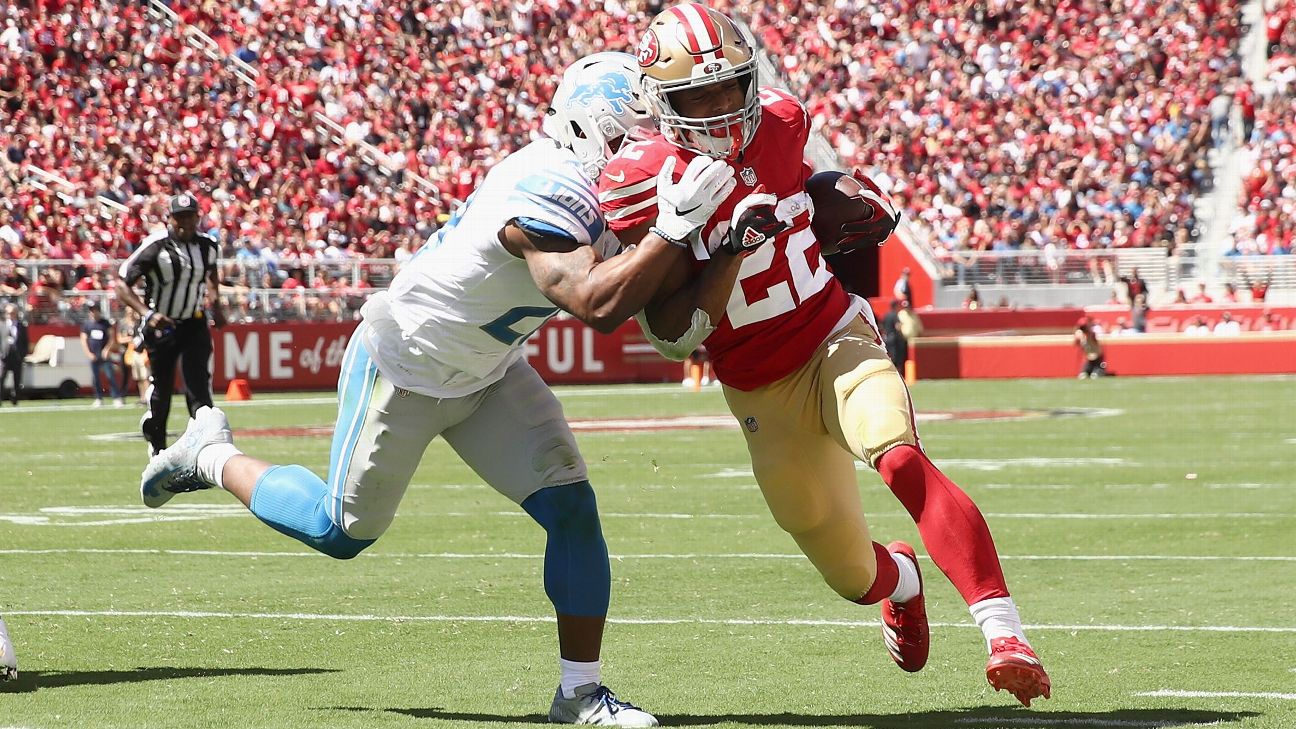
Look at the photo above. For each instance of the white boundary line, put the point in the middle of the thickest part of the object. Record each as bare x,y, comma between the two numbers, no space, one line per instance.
1003,721
1173,694
643,556
899,514
367,617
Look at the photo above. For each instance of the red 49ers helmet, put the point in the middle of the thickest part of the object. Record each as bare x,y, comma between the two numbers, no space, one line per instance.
690,46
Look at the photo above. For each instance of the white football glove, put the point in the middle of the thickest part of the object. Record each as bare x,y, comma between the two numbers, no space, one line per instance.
685,206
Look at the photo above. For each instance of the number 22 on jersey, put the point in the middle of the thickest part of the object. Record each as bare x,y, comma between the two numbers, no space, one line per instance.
784,296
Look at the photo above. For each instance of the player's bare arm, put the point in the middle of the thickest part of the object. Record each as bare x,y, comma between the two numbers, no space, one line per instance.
213,299
673,311
603,294
126,294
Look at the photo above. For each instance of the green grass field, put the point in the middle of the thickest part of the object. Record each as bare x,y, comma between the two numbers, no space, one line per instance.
1150,541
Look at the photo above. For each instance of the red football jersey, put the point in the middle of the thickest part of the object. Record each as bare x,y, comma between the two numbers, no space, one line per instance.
786,301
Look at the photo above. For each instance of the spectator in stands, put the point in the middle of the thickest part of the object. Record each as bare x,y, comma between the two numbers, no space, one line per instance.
1139,314
1230,294
1227,326
1180,297
1259,289
1220,110
1091,351
1201,297
1197,327
973,300
13,280
1134,285
1246,102
1268,323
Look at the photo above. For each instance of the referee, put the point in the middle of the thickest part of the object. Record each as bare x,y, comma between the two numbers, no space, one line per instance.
178,266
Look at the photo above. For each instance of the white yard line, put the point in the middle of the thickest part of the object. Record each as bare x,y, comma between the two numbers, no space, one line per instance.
140,515
364,617
623,557
1174,694
563,393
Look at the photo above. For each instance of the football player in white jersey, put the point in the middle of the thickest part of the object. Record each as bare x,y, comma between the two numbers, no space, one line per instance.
440,354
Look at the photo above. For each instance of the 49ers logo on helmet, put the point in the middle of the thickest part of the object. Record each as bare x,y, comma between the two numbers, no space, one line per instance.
649,50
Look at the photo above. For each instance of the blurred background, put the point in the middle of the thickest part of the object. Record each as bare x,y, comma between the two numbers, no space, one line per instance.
1127,166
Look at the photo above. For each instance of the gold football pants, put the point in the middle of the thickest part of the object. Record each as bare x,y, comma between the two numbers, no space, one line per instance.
804,433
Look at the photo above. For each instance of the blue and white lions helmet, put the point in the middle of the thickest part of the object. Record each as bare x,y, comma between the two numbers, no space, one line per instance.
597,104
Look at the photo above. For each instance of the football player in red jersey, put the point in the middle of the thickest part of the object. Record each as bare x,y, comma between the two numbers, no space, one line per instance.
803,367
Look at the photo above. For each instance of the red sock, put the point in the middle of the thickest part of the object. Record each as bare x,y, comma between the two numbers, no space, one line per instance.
952,528
886,580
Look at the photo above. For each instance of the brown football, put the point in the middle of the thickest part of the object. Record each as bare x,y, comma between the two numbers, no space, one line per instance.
837,201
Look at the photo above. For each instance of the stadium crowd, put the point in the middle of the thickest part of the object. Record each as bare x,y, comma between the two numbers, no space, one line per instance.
1002,125
1022,126
1269,127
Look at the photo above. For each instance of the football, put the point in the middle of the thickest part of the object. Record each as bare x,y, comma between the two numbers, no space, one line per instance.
849,212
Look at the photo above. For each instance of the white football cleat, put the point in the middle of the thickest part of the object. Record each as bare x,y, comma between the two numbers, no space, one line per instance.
8,661
595,704
175,470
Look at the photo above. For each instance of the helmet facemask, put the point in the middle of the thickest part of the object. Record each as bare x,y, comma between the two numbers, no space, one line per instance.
690,46
721,137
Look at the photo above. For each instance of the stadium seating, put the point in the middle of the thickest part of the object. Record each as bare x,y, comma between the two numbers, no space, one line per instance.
1000,126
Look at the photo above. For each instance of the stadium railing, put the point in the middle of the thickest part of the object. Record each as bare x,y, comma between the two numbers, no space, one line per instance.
252,286
245,295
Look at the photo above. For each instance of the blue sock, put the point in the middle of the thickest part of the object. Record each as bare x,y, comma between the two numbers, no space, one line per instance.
294,501
577,577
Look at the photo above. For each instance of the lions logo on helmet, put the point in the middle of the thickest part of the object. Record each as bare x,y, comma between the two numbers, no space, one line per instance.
690,46
612,88
596,106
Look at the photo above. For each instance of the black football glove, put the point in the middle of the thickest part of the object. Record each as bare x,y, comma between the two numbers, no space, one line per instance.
753,223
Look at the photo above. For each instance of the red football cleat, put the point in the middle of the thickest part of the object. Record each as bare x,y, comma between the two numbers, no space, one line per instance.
904,624
1014,667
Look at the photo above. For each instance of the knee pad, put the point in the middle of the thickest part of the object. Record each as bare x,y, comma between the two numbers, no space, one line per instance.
877,416
577,577
294,501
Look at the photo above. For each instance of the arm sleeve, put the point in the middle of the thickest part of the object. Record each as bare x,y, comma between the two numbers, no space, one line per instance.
700,327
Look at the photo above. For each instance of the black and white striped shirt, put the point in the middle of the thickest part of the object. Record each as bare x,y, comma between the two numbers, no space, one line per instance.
174,273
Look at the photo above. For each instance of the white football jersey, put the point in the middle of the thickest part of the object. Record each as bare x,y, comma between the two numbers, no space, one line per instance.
457,314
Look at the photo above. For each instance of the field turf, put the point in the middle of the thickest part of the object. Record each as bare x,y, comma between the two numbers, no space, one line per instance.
1147,527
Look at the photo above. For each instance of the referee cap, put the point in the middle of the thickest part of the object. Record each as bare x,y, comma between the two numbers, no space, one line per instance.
183,203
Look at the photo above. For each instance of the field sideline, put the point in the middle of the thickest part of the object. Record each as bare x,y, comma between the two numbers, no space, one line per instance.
1146,527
